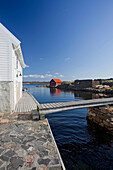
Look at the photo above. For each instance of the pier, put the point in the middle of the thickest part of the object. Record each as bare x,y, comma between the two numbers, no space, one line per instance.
28,103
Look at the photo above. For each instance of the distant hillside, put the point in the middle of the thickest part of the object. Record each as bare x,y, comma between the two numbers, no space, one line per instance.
36,82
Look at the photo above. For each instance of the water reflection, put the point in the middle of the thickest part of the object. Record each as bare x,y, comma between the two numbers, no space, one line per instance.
87,95
99,134
55,92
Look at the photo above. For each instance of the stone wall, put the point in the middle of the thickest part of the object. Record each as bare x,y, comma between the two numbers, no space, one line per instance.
103,116
18,91
6,97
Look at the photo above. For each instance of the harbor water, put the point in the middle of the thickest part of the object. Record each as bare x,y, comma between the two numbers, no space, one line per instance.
82,144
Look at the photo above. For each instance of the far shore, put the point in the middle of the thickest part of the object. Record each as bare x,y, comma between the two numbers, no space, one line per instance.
36,82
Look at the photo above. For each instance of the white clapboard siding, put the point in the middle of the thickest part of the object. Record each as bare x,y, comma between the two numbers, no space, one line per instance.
5,57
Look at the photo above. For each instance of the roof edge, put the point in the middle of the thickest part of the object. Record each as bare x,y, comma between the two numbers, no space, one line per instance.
17,42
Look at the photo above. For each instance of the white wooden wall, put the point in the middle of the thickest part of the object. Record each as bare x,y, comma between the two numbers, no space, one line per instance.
5,58
8,70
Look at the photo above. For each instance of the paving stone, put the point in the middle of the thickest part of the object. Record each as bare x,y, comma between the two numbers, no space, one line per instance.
21,137
33,152
55,168
1,150
44,153
16,140
4,158
13,135
1,163
10,153
3,168
6,139
44,161
42,168
16,162
10,167
25,147
9,145
28,139
41,148
55,161
34,168
42,139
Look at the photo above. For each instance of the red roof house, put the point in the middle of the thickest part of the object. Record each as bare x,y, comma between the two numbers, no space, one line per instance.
55,82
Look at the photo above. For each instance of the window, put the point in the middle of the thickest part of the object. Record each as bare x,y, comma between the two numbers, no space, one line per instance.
16,62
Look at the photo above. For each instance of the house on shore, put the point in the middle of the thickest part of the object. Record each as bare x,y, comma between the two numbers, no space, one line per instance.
55,82
11,64
86,83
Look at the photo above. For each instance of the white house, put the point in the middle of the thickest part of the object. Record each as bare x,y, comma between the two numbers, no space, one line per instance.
11,64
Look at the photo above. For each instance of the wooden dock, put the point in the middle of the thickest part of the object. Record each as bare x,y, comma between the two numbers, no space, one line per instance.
28,103
63,106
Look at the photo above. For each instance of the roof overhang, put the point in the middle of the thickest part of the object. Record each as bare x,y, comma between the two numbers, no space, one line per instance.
18,51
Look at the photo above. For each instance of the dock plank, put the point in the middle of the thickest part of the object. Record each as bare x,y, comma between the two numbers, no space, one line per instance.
26,103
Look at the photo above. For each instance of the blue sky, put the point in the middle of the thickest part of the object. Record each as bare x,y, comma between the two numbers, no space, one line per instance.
66,39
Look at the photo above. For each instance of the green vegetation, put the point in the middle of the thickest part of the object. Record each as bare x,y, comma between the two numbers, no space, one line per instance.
110,88
68,82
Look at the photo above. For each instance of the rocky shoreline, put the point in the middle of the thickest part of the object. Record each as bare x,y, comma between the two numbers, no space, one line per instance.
102,116
43,86
70,87
93,90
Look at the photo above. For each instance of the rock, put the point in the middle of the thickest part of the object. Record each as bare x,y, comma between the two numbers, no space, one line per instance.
44,161
16,162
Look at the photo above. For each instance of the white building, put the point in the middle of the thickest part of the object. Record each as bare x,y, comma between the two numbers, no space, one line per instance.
11,64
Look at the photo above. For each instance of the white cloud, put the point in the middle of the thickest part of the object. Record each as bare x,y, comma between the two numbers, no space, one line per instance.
48,75
54,76
61,75
38,76
68,58
57,73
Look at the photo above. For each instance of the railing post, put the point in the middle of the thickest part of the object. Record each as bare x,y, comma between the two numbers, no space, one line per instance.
38,111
